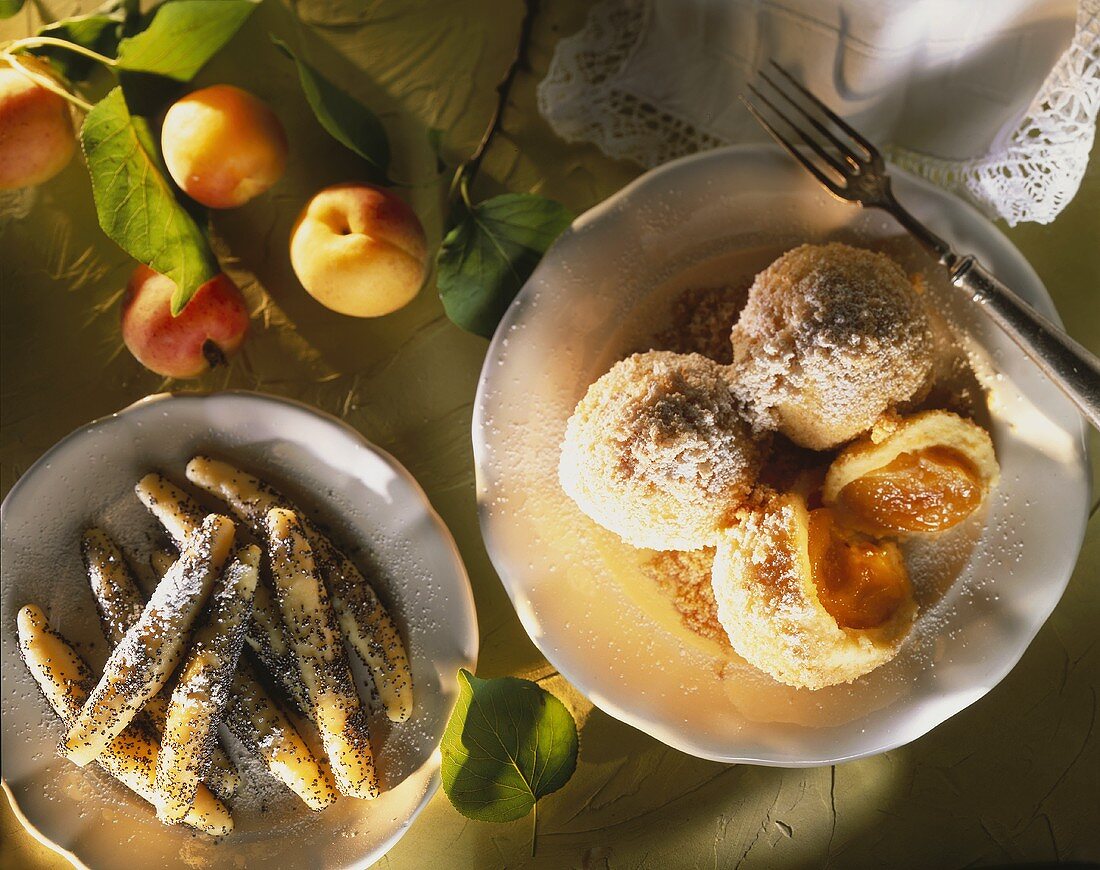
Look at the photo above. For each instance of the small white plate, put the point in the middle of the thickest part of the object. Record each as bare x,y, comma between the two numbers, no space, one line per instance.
599,293
368,499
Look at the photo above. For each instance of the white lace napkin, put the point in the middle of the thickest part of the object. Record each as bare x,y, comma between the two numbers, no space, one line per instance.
995,99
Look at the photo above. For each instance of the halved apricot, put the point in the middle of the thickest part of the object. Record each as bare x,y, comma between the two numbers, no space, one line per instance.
926,490
805,599
861,582
926,473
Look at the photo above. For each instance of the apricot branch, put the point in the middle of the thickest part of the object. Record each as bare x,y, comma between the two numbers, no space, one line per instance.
16,45
468,170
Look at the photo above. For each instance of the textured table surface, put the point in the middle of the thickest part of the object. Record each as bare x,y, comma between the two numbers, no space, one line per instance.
1011,779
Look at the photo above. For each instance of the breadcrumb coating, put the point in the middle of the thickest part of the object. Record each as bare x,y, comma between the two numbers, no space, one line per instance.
700,322
685,579
831,337
660,452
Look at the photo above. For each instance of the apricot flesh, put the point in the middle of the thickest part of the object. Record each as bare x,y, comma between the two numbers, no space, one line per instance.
359,250
223,146
36,128
211,326
860,582
927,490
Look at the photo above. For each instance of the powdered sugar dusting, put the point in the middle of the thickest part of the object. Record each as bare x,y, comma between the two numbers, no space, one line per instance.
830,338
660,451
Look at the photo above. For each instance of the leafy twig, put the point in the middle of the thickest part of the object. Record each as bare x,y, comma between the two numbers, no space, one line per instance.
469,168
8,52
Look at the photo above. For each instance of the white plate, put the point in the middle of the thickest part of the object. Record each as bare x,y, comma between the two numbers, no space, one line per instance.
368,499
717,218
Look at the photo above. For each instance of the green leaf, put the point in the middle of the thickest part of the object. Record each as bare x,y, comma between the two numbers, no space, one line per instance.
347,120
100,31
134,202
8,8
183,36
507,744
485,260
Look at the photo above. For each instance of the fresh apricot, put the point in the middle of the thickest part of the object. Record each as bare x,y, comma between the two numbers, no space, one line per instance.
36,127
359,250
223,146
211,326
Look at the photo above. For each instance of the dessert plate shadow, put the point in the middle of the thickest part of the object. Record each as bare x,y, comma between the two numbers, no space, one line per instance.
602,291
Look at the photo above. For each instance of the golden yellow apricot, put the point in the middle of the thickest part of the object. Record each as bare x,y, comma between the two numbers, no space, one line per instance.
359,250
36,128
927,490
223,146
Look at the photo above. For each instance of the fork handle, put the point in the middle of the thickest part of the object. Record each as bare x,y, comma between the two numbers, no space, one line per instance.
1069,365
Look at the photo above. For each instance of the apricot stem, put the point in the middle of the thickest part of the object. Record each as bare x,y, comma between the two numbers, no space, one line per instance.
37,41
45,82
504,86
534,827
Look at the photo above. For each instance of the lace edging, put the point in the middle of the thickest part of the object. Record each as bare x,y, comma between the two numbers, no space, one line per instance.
1030,178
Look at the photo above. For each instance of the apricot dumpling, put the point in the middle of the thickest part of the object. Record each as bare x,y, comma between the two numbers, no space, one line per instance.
831,338
659,451
807,600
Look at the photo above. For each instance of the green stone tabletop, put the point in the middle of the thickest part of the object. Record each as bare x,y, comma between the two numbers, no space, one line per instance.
1011,779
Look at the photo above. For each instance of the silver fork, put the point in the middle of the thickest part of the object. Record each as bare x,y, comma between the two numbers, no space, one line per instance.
856,172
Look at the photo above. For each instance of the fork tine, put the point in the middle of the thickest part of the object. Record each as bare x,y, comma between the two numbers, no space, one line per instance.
872,151
802,134
810,166
843,147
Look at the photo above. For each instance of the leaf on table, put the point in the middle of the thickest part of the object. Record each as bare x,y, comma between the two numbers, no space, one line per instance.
100,31
183,36
8,8
135,204
347,120
507,744
485,260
